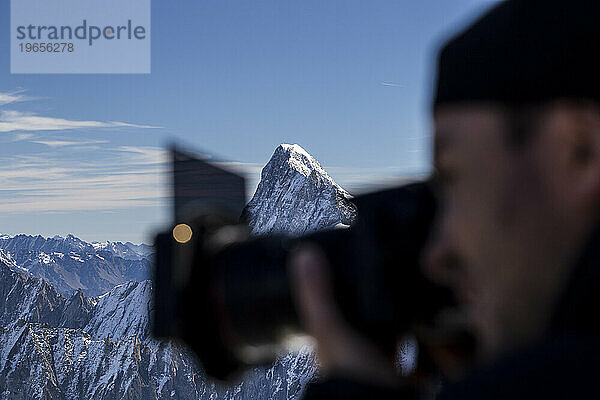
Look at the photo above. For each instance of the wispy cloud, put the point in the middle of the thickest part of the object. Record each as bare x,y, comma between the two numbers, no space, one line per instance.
120,180
392,84
144,155
11,121
18,137
63,143
13,97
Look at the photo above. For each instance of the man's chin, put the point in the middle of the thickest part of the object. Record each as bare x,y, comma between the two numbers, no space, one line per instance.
486,332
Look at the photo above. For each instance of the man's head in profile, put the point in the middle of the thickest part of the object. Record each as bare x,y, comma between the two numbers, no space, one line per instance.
517,157
517,235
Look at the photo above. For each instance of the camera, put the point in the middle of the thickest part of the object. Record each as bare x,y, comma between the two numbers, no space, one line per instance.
227,295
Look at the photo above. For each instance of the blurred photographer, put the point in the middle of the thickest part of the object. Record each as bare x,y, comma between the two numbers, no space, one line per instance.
517,239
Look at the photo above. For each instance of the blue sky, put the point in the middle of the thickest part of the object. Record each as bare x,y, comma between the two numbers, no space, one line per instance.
349,81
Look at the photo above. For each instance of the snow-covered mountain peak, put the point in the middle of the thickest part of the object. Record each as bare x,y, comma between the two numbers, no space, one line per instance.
296,195
76,243
295,148
295,157
298,159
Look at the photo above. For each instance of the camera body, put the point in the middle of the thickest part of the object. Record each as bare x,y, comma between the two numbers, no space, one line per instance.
228,295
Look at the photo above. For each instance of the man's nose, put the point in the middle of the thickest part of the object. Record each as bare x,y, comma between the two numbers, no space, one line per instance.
440,260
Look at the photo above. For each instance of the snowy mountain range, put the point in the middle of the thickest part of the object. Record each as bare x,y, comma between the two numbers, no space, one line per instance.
70,264
74,315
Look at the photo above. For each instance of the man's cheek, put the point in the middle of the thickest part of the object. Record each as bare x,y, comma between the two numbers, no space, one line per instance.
471,229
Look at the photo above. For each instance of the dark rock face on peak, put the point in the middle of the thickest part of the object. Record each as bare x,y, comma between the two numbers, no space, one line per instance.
296,196
77,311
26,298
